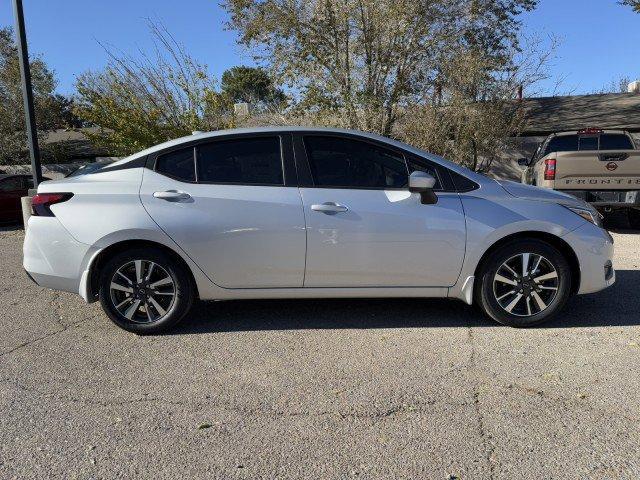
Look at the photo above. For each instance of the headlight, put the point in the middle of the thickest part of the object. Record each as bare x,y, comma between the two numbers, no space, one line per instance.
592,216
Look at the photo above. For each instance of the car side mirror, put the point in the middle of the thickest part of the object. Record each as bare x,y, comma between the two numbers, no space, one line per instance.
523,162
423,183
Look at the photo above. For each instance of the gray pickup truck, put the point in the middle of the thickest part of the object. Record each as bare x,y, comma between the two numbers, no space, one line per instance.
601,167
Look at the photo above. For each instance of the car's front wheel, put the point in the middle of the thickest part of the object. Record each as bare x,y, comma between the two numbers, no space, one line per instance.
524,283
145,291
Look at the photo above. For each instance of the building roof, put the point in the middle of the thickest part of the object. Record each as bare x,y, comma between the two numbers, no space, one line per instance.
614,111
72,144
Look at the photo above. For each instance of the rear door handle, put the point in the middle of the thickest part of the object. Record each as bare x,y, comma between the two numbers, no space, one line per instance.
330,208
172,196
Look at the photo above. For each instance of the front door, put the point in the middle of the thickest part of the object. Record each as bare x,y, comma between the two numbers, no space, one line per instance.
233,214
365,229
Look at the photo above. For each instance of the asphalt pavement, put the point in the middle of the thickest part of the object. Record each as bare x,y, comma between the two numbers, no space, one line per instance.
420,389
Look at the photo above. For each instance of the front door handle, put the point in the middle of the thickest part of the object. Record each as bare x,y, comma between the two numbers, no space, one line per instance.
172,196
330,208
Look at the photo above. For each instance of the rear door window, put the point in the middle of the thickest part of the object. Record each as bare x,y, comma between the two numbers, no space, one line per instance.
245,161
615,141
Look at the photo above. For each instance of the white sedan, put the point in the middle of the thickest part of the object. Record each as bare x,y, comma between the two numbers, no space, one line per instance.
308,213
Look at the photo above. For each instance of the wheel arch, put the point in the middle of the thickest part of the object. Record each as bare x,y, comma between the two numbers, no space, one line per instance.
115,248
553,240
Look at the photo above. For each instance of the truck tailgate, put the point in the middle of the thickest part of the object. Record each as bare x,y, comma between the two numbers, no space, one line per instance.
598,170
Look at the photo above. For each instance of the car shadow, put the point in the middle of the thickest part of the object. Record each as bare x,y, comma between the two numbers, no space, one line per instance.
615,306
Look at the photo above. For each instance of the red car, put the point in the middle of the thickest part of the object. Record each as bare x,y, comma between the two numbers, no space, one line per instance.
12,187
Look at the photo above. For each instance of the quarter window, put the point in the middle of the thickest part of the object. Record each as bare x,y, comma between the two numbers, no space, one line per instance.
177,164
346,163
247,161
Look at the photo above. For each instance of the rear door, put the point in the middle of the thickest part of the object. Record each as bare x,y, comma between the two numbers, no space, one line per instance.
364,227
232,205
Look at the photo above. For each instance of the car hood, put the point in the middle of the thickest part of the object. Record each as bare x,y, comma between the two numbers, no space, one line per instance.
531,192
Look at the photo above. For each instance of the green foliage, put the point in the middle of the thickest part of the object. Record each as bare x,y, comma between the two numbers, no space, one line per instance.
470,122
366,59
52,111
252,85
143,101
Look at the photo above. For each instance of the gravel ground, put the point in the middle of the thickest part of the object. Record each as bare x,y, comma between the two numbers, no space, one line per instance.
319,389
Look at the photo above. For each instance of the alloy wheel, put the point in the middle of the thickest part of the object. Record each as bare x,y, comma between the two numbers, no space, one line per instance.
142,291
526,284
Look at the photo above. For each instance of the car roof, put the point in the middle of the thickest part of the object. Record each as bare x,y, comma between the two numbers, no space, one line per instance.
292,129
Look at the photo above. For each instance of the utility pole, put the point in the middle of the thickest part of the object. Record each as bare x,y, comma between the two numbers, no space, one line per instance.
27,93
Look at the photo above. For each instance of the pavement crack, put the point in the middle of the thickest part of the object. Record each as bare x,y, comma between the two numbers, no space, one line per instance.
488,445
404,408
62,328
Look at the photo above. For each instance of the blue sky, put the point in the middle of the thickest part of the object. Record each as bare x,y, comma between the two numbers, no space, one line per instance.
599,38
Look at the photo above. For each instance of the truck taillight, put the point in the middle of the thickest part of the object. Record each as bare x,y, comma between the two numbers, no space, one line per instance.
41,203
550,169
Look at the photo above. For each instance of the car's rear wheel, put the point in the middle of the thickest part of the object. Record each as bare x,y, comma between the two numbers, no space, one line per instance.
524,283
145,291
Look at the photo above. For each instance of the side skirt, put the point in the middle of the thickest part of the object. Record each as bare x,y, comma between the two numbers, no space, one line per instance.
367,292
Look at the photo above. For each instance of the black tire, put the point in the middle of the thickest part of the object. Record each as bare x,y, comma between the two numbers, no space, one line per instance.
487,297
634,218
173,300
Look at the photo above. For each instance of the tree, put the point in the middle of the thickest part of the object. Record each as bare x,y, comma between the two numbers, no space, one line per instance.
143,101
363,62
474,110
50,108
471,119
619,85
635,4
252,85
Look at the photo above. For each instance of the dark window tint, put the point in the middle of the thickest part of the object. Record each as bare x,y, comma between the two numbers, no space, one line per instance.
564,143
342,162
588,143
462,183
424,166
177,164
247,161
612,141
11,184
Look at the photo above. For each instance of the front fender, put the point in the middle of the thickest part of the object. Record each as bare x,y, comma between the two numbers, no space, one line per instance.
489,221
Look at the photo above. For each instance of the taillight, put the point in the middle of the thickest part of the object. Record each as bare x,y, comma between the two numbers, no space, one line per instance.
41,203
550,169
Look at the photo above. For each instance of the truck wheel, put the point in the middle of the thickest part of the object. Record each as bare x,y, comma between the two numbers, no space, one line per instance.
523,283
